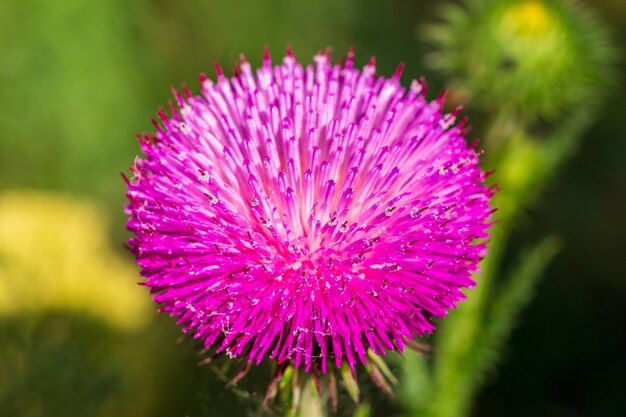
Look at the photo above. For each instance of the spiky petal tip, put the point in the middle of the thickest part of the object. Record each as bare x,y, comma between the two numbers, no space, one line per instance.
307,213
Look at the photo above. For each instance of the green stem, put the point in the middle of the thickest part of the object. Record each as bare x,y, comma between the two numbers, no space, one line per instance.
452,368
457,368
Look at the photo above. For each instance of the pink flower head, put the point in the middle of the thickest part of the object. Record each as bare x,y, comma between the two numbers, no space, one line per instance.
307,213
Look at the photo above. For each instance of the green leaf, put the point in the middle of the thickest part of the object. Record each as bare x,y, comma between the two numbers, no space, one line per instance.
510,301
350,382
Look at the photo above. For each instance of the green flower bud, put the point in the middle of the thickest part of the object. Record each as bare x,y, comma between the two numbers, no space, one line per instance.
532,57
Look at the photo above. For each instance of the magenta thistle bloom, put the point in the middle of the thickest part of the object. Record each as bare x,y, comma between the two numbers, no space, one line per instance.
307,214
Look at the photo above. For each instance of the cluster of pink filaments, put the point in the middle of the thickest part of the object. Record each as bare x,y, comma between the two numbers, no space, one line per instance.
307,214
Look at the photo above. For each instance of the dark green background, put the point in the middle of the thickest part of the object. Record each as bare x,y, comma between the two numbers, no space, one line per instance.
79,78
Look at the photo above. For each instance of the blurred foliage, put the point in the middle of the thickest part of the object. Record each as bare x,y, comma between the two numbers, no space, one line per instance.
78,79
59,364
69,94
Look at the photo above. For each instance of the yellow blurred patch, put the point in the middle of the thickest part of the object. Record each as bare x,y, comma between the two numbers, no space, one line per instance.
530,18
54,255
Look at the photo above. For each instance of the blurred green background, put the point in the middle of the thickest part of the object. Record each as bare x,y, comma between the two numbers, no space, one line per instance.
78,79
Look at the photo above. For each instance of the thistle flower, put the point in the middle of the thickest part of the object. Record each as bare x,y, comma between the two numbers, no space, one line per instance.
310,214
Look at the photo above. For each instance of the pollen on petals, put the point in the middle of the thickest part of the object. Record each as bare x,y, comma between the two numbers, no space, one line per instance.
307,213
